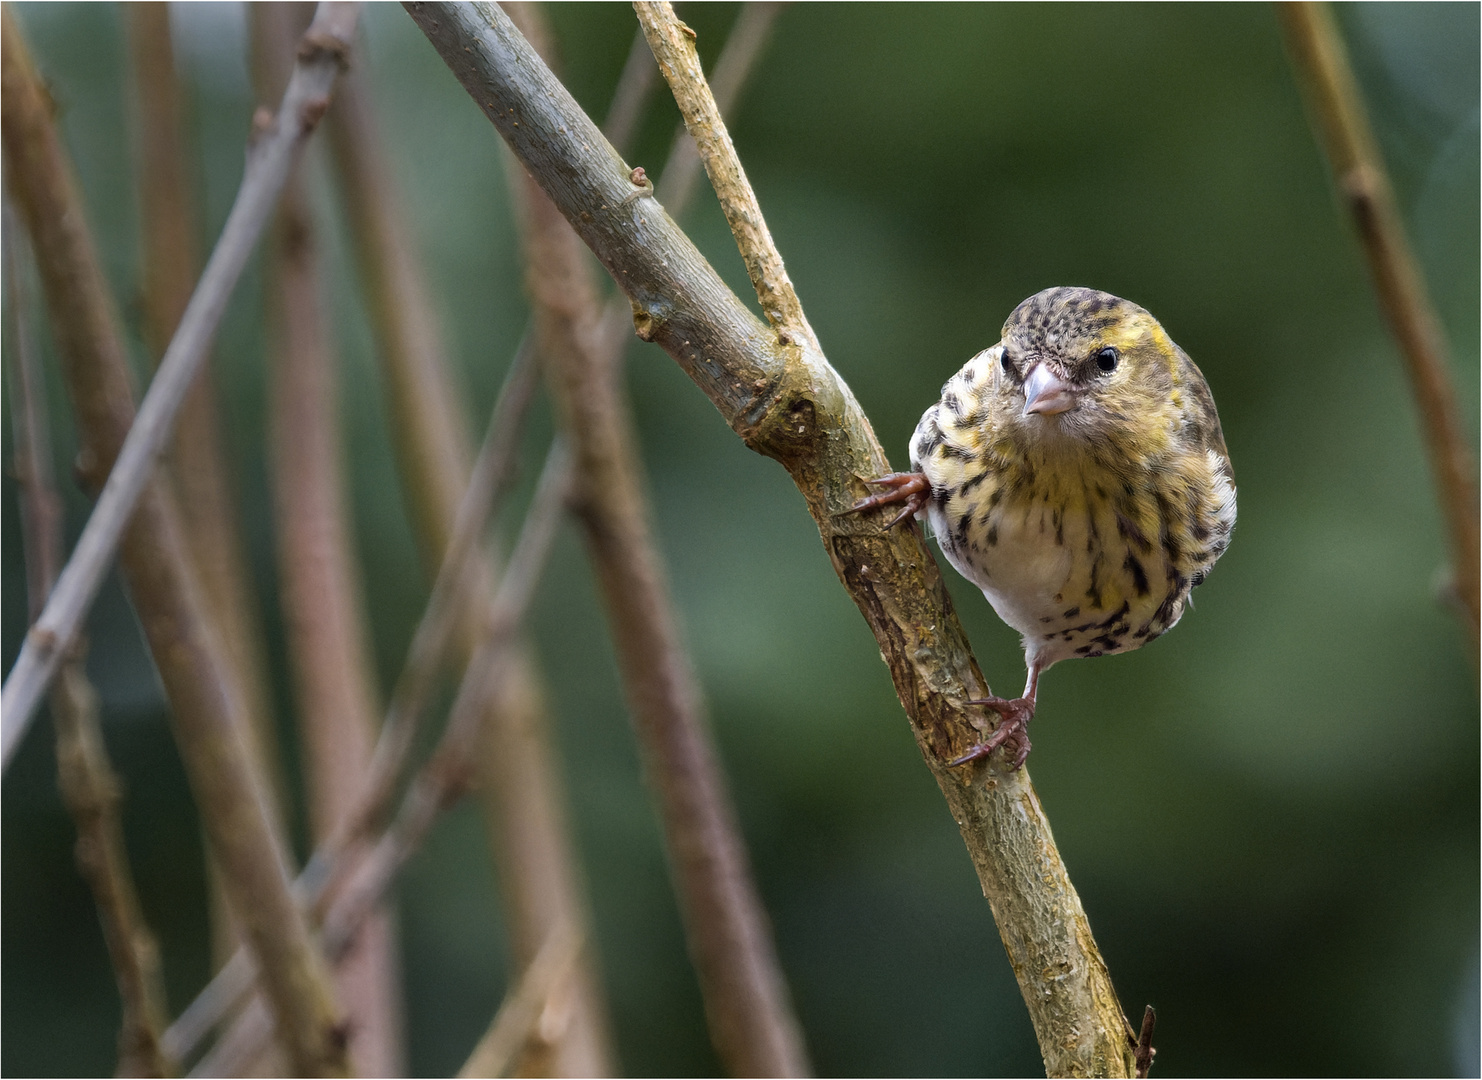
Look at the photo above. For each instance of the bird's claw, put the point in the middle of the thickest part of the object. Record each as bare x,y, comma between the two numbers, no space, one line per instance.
910,488
1012,731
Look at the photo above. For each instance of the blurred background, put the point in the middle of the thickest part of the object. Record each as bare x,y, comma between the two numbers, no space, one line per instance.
1271,815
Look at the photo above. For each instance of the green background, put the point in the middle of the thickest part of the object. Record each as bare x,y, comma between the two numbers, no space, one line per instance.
1271,815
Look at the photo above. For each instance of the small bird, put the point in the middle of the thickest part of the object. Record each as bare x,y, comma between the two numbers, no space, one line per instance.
1077,474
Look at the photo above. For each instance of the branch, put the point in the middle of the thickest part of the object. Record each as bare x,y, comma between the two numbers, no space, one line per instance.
524,793
409,701
520,1014
206,703
1337,111
89,786
743,46
319,579
788,403
746,1001
203,481
321,56
358,885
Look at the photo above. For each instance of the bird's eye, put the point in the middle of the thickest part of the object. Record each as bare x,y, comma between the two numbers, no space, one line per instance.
1005,363
1106,360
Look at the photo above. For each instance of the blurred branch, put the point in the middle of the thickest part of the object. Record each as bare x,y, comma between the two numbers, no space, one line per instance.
356,885
206,704
1337,110
171,264
730,942
197,467
89,785
523,1007
634,87
278,142
409,701
788,403
324,621
523,791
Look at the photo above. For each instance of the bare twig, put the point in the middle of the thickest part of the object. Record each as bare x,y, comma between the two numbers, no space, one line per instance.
86,776
788,403
743,47
409,701
324,619
523,790
206,703
356,890
324,49
1143,1051
1342,123
520,1013
673,46
730,942
634,87
171,264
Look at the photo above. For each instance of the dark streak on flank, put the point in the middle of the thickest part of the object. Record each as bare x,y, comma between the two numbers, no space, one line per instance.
1139,576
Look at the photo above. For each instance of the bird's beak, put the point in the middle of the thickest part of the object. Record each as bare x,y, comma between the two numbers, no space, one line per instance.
1046,393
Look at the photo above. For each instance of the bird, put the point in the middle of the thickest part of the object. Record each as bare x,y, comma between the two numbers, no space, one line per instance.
1076,472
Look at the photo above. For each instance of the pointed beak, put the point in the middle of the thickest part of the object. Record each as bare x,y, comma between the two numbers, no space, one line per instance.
1046,393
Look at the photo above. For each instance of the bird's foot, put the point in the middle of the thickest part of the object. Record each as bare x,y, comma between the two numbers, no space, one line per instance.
1012,732
911,488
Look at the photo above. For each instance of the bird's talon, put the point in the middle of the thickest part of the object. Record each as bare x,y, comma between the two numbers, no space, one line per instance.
1012,729
909,488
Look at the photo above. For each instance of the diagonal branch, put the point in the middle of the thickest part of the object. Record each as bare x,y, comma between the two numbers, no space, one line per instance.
1342,123
789,404
747,1005
269,160
206,703
89,785
522,787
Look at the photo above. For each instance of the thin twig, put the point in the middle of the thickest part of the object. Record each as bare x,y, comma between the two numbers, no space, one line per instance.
443,779
1143,1051
673,46
409,701
1337,108
319,576
788,403
89,785
207,705
733,67
167,230
520,1013
324,49
746,1001
521,785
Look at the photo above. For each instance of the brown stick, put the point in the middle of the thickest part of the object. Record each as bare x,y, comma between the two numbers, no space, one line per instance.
409,703
524,791
730,942
276,146
520,1014
168,221
89,786
324,620
206,704
1342,123
743,46
788,403
444,778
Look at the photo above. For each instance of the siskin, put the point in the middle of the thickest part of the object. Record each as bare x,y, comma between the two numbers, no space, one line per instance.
1077,474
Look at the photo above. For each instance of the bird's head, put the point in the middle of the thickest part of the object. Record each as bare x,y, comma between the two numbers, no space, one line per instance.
1077,367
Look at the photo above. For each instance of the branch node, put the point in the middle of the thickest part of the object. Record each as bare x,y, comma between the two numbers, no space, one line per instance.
321,43
312,112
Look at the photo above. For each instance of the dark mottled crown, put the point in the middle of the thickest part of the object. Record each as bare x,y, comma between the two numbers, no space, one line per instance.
1054,319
